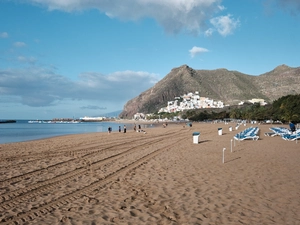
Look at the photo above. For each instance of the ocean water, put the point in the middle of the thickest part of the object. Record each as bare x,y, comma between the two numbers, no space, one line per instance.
24,131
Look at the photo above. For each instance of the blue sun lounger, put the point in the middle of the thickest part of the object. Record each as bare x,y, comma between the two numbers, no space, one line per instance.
286,134
248,134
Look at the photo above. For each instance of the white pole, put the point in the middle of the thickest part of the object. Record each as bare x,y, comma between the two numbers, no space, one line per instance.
224,154
231,145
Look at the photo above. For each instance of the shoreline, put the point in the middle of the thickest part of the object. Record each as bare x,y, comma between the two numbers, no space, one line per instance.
161,177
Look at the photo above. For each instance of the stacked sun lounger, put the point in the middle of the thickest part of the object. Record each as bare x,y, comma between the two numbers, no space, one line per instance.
291,137
249,133
286,134
280,130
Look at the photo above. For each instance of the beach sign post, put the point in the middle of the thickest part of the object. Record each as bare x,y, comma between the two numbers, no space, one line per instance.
224,154
231,145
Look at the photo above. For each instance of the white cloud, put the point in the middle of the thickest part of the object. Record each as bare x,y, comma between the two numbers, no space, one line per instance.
209,32
197,50
174,15
221,7
93,107
43,87
4,35
19,44
23,59
225,25
124,76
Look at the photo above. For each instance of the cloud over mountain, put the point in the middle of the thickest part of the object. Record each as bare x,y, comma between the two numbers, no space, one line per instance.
43,87
174,15
197,50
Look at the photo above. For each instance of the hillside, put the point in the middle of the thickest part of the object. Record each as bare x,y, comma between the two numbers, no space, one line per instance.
230,87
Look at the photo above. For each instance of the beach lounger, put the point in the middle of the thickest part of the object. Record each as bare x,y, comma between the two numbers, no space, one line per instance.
247,134
280,130
286,134
291,137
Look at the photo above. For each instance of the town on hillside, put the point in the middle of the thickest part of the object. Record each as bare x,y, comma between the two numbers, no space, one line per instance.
194,101
190,101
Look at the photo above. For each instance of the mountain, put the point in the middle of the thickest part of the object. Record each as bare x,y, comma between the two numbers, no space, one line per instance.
281,81
230,87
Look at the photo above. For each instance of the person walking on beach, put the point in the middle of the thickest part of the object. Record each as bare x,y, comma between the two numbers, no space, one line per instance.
139,128
119,128
124,129
109,130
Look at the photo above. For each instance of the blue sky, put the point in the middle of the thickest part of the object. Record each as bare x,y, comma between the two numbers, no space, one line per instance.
73,58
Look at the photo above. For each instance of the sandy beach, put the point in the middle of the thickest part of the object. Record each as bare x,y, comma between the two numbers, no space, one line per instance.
160,177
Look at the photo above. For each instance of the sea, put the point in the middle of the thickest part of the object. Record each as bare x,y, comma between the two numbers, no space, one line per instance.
24,131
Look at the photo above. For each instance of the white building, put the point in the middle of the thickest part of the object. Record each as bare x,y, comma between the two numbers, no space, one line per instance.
88,118
139,116
191,101
258,100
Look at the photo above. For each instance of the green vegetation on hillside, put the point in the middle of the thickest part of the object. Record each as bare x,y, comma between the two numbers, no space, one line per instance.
286,108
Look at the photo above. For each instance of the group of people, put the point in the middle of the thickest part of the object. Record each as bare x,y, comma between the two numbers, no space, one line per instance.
139,129
109,129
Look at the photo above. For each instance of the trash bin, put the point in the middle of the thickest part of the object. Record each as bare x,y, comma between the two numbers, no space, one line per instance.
230,128
220,131
196,137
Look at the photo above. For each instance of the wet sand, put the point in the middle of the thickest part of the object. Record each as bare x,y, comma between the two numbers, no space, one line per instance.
160,177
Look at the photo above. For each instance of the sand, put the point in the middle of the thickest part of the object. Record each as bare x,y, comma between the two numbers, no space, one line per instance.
160,177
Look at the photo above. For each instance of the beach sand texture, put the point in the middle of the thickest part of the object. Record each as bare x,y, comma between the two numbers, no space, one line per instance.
161,177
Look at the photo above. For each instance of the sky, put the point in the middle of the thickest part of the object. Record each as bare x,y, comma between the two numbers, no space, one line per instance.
75,58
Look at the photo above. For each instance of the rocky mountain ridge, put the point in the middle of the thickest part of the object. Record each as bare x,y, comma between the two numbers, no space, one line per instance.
230,87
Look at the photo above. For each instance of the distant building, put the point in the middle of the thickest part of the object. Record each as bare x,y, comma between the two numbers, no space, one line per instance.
262,102
139,116
91,119
258,100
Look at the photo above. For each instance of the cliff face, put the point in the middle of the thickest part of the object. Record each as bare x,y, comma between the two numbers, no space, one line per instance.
230,87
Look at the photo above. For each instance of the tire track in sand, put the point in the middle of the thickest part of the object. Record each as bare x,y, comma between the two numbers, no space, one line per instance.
112,175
